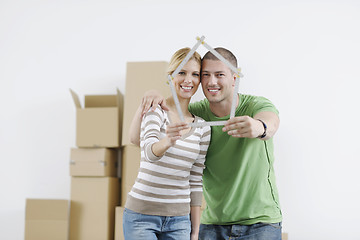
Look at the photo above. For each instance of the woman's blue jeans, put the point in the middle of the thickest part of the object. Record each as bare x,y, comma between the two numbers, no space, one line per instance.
258,231
139,226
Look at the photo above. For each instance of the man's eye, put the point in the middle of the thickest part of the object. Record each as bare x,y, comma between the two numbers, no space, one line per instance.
205,74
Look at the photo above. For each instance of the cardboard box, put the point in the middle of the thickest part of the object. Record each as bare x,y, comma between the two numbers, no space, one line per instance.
119,150
141,77
96,162
119,235
93,203
130,160
99,123
46,219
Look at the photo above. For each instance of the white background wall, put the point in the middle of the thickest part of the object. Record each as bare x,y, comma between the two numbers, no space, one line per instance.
302,55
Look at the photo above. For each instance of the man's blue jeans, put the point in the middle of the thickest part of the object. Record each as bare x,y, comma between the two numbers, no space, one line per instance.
258,231
139,226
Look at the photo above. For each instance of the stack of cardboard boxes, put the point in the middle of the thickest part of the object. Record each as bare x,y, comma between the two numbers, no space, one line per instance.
95,186
103,166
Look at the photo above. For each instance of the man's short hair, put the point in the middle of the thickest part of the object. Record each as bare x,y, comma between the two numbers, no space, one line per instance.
223,52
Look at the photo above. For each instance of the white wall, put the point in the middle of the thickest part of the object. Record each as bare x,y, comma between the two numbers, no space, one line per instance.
303,55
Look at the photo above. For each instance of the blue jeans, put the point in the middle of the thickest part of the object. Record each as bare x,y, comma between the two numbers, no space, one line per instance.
258,231
139,226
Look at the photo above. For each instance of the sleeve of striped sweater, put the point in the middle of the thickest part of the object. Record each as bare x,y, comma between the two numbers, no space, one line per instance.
150,132
198,168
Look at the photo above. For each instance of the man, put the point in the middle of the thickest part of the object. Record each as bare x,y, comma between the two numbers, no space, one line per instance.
239,181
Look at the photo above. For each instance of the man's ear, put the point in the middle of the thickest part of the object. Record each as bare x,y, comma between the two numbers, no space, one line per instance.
234,78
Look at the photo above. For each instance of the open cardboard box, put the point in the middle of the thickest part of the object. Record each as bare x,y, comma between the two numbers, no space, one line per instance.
99,122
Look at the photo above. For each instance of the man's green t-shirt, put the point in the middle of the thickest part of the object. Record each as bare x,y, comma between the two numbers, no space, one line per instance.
239,179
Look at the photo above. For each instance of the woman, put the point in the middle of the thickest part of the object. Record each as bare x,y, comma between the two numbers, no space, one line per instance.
165,200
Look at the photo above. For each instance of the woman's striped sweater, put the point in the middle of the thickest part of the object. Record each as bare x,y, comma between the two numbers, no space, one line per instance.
169,185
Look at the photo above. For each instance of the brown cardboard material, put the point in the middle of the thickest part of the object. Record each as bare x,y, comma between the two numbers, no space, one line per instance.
118,162
99,123
95,162
130,160
141,77
47,219
284,236
93,202
119,235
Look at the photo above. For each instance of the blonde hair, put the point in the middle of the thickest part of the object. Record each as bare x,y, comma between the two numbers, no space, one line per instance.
179,56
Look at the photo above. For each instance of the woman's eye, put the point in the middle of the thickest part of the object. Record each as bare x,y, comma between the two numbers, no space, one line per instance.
181,73
196,74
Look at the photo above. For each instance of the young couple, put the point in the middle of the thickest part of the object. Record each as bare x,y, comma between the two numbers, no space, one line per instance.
238,181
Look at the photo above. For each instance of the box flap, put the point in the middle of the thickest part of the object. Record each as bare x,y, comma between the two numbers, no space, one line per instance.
100,101
47,209
75,98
